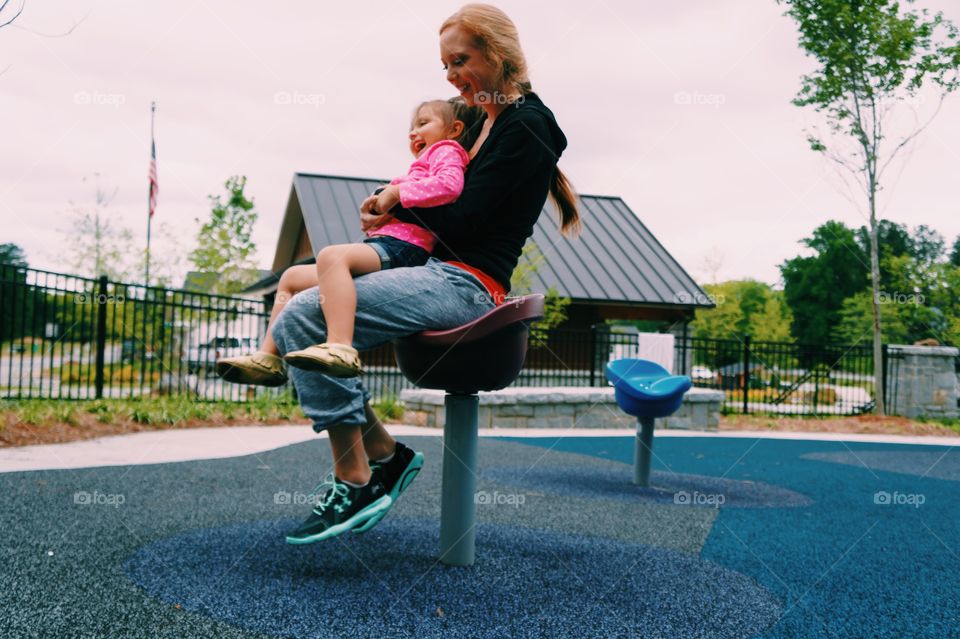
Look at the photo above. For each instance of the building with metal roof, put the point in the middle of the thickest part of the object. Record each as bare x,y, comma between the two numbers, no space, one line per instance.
615,269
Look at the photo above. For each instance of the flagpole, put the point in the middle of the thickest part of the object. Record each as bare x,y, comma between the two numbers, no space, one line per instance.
146,278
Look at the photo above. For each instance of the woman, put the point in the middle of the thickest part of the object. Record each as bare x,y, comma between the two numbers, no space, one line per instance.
480,238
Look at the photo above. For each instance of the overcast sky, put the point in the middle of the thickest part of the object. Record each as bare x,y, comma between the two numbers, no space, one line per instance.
269,89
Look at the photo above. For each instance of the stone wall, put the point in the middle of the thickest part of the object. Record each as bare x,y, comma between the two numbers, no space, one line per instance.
521,407
922,381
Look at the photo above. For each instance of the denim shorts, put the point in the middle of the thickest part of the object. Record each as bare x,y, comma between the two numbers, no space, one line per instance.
396,253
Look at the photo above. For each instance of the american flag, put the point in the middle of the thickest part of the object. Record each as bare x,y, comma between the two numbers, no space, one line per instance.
154,188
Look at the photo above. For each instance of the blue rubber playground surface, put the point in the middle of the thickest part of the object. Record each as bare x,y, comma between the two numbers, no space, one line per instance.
738,537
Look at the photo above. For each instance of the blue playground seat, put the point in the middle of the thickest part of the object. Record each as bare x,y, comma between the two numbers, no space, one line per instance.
645,390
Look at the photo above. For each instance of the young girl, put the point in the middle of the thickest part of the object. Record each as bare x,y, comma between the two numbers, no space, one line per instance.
440,133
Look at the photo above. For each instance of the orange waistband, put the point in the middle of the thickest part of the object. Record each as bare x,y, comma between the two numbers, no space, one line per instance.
497,292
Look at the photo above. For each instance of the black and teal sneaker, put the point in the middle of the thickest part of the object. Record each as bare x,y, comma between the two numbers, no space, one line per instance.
342,508
396,475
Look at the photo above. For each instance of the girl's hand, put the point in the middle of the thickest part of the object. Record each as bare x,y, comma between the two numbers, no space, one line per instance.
370,219
388,198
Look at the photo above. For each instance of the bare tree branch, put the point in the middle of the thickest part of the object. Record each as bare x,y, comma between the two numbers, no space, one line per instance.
76,24
910,137
15,16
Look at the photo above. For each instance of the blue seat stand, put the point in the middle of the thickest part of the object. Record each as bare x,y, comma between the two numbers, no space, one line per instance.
458,508
643,451
645,390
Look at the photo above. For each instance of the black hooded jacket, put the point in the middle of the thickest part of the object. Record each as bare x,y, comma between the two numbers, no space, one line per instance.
506,185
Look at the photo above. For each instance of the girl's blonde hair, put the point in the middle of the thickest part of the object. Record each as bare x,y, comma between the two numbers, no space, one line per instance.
456,109
496,36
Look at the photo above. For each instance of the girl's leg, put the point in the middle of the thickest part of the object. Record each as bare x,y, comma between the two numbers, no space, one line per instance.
337,265
294,279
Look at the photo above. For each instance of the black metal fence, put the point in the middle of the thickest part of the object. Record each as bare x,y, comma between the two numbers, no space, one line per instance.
69,337
782,378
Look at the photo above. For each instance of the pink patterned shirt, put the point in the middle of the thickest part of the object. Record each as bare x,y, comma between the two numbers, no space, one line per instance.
434,178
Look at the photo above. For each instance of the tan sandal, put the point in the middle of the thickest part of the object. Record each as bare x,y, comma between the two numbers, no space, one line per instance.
336,360
259,369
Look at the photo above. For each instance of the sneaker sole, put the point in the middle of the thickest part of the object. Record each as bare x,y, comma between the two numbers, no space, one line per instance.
376,509
413,469
319,366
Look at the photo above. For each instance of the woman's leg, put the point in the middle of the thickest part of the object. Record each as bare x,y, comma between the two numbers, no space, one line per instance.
294,279
377,442
337,265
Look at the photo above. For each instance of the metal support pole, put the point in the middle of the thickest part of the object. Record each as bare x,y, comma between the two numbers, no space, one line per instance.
458,509
101,301
641,453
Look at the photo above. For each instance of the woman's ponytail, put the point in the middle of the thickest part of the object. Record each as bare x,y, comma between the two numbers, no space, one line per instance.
566,200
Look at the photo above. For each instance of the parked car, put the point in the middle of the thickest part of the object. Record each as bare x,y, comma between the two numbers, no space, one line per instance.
703,374
201,358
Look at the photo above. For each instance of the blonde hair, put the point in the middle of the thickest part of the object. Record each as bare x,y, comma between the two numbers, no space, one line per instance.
496,36
452,110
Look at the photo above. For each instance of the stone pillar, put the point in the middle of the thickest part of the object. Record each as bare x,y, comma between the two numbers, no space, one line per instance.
922,381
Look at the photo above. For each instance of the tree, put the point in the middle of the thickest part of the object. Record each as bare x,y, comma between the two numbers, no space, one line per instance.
871,58
166,257
815,286
13,255
13,291
224,244
521,283
743,307
98,246
923,244
955,252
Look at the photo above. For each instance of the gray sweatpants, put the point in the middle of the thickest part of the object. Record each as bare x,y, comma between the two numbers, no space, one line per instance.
390,304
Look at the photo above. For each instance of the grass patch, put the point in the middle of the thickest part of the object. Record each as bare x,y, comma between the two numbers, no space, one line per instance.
389,407
953,423
168,411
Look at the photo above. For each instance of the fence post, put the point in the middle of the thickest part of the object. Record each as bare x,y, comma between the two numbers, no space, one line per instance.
593,355
746,374
101,300
885,363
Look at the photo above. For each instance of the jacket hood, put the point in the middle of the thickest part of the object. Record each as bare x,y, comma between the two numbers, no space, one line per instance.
533,101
